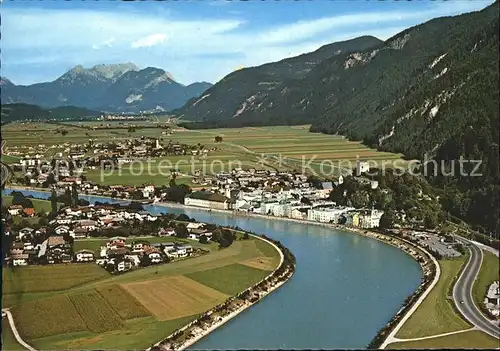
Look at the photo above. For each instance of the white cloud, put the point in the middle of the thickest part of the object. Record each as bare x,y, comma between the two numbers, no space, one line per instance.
150,40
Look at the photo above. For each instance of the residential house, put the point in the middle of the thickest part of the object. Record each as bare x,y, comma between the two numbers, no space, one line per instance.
20,259
15,210
166,232
62,229
124,266
29,212
84,256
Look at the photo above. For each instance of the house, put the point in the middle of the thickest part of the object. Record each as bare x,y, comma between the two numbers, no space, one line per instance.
62,229
166,232
78,233
121,251
153,254
87,224
54,241
25,231
362,167
28,246
134,259
15,210
20,259
194,225
139,246
29,212
84,256
207,199
124,266
66,258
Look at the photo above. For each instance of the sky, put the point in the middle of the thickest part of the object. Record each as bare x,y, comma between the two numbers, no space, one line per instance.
195,40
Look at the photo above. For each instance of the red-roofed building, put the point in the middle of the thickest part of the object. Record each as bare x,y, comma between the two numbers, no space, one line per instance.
29,212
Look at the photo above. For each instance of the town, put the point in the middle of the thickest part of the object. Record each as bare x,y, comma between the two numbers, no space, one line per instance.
143,239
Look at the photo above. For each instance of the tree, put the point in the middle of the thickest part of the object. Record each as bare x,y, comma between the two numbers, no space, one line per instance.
246,236
387,220
53,201
305,201
430,220
218,139
203,239
74,195
181,231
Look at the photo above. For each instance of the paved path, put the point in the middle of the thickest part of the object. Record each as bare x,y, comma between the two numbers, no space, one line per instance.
435,336
4,173
462,292
14,330
392,335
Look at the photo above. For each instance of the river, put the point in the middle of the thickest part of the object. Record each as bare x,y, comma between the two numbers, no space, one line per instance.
345,289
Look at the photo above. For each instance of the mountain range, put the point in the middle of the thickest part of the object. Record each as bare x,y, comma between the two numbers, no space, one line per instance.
115,88
430,91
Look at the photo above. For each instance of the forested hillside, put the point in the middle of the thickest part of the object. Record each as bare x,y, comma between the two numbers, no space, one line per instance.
250,96
430,91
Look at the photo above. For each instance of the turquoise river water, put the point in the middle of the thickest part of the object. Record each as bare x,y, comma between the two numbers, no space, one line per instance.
345,289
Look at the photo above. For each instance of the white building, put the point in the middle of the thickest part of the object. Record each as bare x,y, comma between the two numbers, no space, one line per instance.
326,215
207,199
362,167
84,256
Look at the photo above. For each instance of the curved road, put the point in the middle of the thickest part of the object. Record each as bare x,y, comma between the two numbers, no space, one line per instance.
462,293
4,173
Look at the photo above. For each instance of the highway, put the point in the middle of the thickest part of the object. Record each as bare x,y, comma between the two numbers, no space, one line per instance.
462,292
4,174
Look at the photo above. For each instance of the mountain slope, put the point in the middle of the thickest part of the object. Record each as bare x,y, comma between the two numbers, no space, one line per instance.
244,94
430,91
119,87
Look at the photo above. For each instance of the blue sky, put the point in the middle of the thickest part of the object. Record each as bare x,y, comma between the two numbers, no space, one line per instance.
194,40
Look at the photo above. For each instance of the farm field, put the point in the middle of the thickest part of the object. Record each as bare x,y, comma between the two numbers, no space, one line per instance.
241,147
436,314
36,279
136,309
489,272
473,339
175,297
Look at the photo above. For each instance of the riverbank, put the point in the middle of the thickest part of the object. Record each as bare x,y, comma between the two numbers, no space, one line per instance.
391,240
223,313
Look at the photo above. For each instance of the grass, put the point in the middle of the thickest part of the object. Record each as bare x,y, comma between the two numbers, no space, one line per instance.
9,342
49,278
138,333
230,279
122,302
175,297
488,273
436,314
473,339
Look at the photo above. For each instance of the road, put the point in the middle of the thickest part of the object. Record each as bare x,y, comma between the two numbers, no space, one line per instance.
14,330
462,293
4,174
